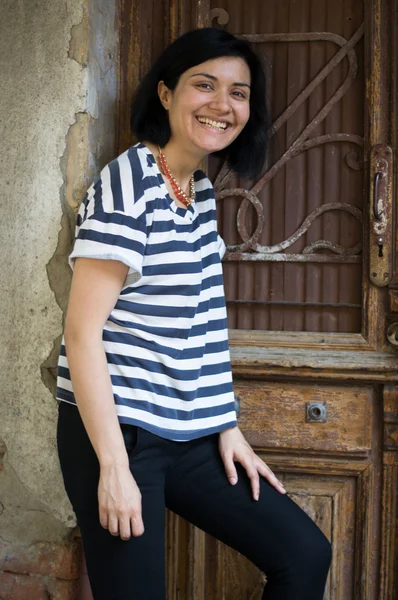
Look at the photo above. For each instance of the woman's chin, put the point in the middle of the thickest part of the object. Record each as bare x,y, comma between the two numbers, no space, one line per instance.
212,145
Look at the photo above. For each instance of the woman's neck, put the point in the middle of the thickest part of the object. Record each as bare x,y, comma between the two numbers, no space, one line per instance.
180,161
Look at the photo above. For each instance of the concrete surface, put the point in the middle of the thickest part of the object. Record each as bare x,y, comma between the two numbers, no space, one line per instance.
57,103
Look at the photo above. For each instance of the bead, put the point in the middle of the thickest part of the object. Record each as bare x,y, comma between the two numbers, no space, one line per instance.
178,191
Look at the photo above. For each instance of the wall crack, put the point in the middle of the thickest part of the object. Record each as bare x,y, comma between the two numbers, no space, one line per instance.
78,43
74,169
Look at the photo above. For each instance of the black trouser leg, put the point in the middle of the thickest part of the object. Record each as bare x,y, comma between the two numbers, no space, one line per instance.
274,533
117,569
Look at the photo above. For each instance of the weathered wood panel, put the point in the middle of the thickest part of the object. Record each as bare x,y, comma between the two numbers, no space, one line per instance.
389,506
324,364
274,415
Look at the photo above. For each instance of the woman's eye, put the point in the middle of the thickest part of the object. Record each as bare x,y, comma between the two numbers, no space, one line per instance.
205,86
239,94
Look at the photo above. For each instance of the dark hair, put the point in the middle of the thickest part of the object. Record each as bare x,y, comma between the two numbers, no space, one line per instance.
149,120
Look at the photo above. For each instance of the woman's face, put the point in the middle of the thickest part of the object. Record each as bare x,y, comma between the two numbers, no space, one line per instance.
210,105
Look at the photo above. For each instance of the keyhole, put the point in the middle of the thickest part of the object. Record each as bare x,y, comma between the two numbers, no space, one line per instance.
380,245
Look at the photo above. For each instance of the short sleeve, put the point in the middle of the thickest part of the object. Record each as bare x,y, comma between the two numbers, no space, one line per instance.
221,246
111,236
111,223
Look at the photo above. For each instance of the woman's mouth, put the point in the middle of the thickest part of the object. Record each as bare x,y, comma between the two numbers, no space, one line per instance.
212,124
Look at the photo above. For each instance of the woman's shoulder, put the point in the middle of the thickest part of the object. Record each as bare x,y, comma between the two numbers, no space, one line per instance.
120,185
136,161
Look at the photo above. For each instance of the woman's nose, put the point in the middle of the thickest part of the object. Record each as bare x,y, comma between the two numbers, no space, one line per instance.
221,103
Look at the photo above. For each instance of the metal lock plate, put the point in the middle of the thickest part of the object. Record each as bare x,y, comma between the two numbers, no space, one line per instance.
380,215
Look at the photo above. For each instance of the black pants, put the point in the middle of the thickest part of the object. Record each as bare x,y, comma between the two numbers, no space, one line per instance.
188,478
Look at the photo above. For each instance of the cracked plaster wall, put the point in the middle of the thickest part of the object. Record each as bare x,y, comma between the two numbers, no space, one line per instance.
57,106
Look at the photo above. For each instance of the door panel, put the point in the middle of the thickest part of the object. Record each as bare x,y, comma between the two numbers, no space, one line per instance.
307,326
331,504
307,417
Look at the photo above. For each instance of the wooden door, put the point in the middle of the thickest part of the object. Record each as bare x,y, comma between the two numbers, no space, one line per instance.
311,279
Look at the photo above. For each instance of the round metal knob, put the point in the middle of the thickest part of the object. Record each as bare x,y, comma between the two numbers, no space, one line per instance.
317,412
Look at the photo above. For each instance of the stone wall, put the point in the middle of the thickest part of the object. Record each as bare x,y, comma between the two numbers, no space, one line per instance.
57,124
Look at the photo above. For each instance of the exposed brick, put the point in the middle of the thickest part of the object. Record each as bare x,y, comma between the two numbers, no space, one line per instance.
63,590
21,587
43,558
36,587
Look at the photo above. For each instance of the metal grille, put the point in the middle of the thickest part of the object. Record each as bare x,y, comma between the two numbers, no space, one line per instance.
294,236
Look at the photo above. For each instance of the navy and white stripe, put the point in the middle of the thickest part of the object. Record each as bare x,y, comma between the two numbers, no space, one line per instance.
166,340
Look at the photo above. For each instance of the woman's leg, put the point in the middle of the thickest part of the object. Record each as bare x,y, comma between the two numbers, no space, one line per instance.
274,533
117,569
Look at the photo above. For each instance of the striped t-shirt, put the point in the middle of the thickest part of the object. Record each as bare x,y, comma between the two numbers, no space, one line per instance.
166,339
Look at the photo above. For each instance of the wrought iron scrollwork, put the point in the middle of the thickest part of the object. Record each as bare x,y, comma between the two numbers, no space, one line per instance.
220,14
303,142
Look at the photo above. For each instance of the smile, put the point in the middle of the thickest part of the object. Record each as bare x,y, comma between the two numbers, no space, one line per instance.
216,125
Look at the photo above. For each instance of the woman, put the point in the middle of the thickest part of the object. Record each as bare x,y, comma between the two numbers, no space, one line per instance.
146,347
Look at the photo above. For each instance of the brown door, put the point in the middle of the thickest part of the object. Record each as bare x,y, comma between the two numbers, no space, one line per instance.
311,290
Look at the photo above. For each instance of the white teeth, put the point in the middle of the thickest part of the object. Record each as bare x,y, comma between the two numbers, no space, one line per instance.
215,124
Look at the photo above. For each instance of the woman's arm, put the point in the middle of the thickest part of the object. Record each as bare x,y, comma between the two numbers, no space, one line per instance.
96,286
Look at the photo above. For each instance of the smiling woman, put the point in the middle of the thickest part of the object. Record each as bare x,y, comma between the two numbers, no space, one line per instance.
147,414
211,74
205,116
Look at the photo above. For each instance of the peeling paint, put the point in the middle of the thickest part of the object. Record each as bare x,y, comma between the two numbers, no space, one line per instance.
48,367
89,144
78,44
77,174
73,166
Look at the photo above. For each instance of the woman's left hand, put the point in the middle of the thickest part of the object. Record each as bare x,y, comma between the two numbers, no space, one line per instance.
234,448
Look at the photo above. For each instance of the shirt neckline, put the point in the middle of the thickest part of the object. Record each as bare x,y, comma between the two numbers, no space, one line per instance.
186,213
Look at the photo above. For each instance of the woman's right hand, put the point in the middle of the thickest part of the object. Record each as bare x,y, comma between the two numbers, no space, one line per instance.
119,500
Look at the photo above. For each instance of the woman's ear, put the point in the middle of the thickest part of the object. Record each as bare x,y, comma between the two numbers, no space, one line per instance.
164,95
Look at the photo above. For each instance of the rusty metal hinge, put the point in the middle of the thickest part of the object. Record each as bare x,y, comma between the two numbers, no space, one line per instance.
381,215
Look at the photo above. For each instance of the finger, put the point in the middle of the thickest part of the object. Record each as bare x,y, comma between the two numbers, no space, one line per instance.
113,525
124,527
266,472
230,469
254,480
252,474
137,524
103,516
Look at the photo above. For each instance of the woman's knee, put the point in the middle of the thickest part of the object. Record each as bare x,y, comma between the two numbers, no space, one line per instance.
310,560
320,550
303,565
303,572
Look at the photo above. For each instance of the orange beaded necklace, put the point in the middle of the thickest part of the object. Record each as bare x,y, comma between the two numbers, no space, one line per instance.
178,191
